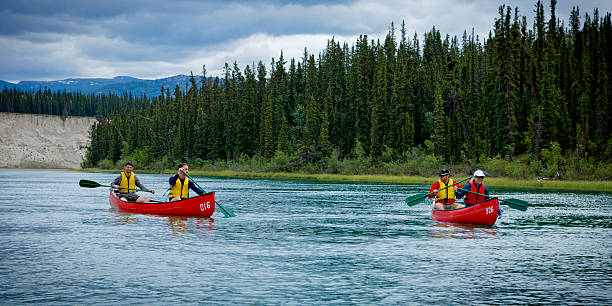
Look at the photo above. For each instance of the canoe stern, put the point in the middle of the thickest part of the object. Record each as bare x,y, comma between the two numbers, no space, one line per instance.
484,213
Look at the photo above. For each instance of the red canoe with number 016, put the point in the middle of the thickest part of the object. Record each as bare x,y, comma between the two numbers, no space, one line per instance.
484,213
200,206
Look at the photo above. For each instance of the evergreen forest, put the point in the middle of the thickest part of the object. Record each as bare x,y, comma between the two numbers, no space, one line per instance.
527,100
65,103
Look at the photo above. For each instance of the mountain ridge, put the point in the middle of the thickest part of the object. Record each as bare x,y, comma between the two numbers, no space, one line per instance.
119,85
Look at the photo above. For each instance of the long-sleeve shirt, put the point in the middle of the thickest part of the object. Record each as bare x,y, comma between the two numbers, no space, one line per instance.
192,186
117,181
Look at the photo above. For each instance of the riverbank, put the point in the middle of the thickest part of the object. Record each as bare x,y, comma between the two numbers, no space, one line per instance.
561,185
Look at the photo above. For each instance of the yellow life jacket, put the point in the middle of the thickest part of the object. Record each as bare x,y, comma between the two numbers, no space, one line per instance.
127,183
446,194
180,189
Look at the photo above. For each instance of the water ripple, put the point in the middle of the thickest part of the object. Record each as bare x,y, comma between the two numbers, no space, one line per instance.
296,243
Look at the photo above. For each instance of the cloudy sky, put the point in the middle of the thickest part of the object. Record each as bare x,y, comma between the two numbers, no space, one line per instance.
59,39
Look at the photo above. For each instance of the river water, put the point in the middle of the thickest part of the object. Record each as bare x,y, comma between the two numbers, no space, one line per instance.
295,242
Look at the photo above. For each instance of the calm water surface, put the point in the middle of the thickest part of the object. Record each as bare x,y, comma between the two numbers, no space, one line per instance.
295,242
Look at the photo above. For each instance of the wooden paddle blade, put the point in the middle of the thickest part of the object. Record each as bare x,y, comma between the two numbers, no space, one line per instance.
517,204
88,184
416,199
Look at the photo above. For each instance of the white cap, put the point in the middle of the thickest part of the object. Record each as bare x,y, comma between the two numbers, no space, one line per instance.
479,173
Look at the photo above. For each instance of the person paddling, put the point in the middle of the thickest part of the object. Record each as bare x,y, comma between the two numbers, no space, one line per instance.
127,179
445,197
180,184
474,185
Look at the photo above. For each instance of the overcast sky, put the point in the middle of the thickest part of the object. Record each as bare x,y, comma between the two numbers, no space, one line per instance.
59,39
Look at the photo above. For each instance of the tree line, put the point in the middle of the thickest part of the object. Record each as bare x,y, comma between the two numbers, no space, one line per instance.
523,90
538,94
62,103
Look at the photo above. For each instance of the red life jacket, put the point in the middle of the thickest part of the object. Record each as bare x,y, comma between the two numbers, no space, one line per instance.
471,198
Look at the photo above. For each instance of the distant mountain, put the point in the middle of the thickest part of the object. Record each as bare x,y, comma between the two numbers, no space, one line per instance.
118,85
7,84
151,88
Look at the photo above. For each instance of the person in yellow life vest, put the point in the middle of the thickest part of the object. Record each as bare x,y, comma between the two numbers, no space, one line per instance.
445,197
180,184
128,179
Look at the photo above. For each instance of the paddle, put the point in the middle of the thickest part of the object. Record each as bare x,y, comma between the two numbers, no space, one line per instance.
513,203
418,198
92,184
228,213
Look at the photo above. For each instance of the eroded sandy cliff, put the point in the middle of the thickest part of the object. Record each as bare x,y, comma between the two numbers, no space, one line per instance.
43,141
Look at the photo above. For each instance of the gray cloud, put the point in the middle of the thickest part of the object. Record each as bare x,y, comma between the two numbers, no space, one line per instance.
45,40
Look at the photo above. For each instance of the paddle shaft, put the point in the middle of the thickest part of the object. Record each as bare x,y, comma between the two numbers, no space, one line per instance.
416,199
224,210
92,184
516,205
129,188
191,178
461,181
480,194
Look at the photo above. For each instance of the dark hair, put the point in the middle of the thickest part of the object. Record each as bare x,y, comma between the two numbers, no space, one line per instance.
128,163
182,164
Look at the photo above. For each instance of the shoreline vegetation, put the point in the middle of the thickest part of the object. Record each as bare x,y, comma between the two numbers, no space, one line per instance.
418,166
493,182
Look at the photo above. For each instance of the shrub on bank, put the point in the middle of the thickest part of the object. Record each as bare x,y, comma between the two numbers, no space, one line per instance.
283,162
417,161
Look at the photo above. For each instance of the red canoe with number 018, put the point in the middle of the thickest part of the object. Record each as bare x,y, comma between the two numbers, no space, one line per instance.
484,213
200,206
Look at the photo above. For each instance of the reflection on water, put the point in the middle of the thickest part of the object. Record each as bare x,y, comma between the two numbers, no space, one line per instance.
461,231
125,218
207,224
295,242
180,226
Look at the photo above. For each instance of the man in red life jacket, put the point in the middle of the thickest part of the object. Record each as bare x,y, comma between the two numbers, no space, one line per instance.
445,197
474,185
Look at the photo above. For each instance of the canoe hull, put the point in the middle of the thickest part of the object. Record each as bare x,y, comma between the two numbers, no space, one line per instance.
200,206
484,213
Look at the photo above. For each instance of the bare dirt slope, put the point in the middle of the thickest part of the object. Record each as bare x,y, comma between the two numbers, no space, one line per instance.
43,141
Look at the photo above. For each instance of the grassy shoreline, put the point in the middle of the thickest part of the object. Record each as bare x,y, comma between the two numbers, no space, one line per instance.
561,185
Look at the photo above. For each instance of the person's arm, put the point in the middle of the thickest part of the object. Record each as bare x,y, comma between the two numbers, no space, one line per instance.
117,181
195,188
461,192
138,184
435,186
172,179
486,191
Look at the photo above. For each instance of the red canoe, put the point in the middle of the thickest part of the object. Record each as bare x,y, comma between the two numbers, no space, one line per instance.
200,206
484,213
